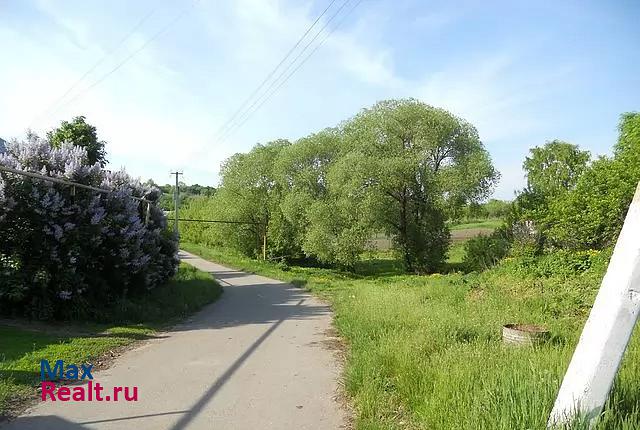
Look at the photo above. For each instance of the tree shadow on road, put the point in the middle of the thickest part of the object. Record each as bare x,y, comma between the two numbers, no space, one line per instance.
248,299
251,299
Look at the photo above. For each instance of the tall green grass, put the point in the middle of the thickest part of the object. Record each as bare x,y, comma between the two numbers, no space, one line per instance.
425,352
483,223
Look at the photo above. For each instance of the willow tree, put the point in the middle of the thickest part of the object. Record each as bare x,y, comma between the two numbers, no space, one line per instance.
301,170
249,192
403,167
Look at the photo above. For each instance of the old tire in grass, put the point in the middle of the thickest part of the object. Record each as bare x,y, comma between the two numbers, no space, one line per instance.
524,334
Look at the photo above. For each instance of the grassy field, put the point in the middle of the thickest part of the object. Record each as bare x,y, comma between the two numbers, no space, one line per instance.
425,352
491,223
459,232
23,344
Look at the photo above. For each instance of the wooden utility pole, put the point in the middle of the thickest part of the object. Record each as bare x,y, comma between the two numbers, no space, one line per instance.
176,202
264,245
605,336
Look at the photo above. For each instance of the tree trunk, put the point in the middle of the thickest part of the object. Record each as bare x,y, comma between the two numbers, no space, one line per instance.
404,235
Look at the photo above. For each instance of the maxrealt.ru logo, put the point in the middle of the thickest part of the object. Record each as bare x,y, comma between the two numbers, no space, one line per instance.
92,391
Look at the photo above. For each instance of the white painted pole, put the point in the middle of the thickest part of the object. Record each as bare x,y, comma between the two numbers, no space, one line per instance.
606,334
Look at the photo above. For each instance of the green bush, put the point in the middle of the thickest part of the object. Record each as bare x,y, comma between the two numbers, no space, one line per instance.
483,251
188,291
591,212
68,253
565,263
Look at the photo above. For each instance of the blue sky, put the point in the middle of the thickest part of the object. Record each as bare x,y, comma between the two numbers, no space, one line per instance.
521,72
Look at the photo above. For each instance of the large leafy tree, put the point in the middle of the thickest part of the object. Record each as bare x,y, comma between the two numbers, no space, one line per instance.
82,134
301,170
552,171
405,165
400,167
554,168
249,192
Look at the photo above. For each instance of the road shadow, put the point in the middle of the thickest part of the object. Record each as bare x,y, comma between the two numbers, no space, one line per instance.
54,422
248,299
48,422
254,303
251,299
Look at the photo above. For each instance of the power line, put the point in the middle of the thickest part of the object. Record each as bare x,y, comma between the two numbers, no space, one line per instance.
248,112
61,181
95,66
159,33
229,122
309,55
265,99
218,221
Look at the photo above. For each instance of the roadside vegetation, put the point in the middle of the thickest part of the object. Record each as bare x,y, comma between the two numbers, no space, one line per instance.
100,268
24,343
425,349
67,252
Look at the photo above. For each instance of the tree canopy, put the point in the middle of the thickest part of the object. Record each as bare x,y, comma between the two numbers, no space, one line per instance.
554,168
575,204
400,167
82,134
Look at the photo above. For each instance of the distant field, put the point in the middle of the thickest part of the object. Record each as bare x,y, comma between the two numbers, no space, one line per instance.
486,224
458,236
463,232
459,233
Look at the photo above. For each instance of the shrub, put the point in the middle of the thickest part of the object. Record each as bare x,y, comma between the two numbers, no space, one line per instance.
65,253
484,251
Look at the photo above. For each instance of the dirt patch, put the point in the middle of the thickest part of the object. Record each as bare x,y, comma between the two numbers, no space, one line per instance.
337,345
458,236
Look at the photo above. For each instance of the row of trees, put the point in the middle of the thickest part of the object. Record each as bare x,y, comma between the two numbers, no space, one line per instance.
187,192
493,208
400,167
70,253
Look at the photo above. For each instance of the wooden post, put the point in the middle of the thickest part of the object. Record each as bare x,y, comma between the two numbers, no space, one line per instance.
264,245
176,203
605,336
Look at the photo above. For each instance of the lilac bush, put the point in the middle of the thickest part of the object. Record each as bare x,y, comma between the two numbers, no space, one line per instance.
71,253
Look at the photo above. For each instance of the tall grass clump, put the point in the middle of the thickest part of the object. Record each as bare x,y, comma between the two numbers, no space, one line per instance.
426,352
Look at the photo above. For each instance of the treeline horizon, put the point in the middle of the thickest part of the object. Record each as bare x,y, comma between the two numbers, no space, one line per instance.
408,170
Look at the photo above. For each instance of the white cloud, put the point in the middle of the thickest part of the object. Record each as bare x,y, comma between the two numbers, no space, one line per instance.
162,109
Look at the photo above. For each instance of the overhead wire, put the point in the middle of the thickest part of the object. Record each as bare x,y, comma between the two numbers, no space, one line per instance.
248,112
159,33
229,122
94,66
263,99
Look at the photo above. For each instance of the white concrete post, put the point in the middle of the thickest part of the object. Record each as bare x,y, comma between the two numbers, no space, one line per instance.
606,334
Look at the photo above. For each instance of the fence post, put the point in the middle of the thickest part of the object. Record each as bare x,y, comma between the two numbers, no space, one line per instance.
605,336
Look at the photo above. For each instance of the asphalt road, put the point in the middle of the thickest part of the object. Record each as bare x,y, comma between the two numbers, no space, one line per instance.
255,359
